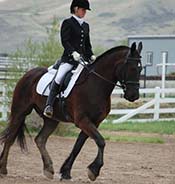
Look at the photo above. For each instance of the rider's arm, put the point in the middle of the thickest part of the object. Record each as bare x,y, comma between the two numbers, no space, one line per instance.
66,36
88,46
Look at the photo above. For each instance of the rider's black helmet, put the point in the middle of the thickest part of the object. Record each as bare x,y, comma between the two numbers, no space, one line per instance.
81,4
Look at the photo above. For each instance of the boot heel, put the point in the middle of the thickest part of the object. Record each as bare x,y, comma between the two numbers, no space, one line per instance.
48,111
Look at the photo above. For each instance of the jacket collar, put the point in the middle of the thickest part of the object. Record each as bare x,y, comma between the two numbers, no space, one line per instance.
79,20
76,22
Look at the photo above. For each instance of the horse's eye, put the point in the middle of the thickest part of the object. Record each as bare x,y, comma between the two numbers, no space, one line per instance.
139,64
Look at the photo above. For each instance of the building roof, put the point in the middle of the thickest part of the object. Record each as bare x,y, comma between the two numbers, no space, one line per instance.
151,36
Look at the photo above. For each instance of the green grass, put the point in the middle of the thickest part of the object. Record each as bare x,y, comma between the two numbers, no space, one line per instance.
2,126
106,128
166,127
73,132
160,127
156,140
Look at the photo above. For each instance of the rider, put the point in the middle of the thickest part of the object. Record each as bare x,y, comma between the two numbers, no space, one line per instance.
76,42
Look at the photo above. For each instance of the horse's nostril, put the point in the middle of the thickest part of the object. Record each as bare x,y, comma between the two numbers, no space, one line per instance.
131,97
135,97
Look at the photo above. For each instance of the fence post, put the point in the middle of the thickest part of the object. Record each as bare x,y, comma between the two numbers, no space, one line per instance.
157,103
4,105
164,61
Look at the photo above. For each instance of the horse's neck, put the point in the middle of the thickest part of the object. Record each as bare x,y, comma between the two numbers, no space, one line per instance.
106,66
109,60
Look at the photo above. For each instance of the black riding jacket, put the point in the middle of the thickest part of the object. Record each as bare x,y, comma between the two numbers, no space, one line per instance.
75,37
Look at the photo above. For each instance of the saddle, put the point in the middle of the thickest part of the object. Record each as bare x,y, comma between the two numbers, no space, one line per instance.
67,84
65,81
43,86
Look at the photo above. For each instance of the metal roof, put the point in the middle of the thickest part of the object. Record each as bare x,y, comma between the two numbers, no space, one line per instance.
151,36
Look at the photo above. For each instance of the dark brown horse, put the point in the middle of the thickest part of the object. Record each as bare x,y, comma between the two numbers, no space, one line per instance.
87,106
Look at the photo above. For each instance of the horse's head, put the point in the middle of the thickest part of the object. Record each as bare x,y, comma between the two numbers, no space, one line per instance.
130,73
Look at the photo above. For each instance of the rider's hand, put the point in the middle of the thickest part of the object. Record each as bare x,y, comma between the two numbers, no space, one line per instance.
93,58
76,55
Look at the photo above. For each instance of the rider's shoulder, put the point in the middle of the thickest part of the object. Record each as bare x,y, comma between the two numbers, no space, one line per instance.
67,20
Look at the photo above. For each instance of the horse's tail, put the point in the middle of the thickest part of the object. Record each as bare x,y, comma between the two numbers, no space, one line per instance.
21,106
16,124
12,132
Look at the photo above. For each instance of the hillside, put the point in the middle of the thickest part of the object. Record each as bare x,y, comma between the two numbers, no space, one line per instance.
111,20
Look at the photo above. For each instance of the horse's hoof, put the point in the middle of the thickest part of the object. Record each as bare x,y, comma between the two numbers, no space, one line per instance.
3,172
64,177
91,175
2,175
48,174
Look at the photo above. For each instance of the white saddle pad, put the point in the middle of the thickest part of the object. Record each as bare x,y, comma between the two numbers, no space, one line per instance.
43,84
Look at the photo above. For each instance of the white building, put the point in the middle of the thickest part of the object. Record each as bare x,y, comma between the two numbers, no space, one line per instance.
153,48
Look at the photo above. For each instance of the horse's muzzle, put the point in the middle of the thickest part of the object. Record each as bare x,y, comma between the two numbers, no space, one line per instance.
131,95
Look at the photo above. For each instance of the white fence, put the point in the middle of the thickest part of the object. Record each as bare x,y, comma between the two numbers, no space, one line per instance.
150,107
3,105
9,64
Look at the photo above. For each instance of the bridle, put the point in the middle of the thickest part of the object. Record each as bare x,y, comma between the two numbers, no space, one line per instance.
123,83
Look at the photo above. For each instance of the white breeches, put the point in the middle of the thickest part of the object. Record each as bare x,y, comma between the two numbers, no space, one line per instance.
62,70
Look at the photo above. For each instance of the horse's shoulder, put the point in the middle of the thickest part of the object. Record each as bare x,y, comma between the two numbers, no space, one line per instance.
36,72
39,69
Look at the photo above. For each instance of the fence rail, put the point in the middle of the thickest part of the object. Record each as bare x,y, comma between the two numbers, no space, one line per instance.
9,65
151,107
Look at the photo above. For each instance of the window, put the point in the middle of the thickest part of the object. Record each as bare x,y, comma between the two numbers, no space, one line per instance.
149,58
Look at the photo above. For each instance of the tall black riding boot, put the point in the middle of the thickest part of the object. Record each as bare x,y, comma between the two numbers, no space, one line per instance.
54,90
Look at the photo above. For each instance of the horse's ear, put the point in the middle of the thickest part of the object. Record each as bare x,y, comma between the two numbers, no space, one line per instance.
140,47
133,47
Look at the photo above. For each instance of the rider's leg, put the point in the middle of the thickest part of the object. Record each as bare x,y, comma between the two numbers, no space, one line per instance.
62,70
55,88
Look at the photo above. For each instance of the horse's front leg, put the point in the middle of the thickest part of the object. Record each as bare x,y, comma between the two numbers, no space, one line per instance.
90,129
65,171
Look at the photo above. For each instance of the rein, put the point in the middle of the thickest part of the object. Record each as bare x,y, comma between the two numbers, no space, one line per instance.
122,83
83,63
103,78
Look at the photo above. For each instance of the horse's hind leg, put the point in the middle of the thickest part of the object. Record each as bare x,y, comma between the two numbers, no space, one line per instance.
4,157
41,139
14,129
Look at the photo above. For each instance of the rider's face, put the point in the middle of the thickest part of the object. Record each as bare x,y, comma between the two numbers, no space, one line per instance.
80,12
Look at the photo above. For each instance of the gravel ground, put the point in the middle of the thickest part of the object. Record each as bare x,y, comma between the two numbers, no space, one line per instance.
125,163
